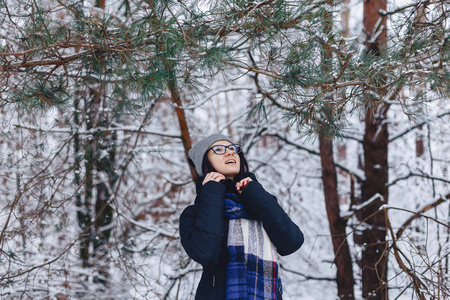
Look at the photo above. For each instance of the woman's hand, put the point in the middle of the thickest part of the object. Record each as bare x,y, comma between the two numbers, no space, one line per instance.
242,184
213,176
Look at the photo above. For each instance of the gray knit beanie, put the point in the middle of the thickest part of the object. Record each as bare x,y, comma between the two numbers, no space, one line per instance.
198,151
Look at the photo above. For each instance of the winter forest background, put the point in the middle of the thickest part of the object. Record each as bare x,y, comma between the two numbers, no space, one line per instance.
341,107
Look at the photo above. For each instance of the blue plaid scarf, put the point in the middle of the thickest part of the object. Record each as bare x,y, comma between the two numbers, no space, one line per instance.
252,270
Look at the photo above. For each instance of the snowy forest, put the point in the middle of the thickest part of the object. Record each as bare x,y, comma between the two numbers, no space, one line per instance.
341,107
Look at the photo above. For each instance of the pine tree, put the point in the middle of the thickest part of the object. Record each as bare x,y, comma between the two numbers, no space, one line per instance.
113,62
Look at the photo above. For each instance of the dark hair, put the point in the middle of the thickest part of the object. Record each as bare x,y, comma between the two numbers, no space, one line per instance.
243,172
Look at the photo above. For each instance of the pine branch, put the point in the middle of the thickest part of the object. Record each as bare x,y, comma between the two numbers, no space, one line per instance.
99,130
356,208
260,90
37,63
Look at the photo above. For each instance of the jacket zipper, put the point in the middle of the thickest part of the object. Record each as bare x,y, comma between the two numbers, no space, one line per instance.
213,276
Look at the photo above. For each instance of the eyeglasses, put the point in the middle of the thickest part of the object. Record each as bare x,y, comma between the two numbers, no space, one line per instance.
222,149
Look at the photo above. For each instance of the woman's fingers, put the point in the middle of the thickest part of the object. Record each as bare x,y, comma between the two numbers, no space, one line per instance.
215,176
243,183
208,177
219,177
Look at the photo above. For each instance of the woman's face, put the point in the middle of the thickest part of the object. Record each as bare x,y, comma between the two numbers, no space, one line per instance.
228,164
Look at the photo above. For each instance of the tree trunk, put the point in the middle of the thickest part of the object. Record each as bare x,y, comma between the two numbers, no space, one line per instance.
103,220
100,4
343,261
82,216
185,135
374,25
337,225
89,163
420,147
103,166
105,142
375,253
176,100
95,229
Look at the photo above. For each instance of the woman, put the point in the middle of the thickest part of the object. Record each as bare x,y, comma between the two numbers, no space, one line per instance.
235,227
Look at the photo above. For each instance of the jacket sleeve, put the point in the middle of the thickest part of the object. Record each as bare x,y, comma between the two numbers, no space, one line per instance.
283,232
201,225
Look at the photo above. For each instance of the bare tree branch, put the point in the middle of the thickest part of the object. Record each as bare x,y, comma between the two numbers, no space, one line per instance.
360,177
307,277
419,125
420,213
411,174
418,285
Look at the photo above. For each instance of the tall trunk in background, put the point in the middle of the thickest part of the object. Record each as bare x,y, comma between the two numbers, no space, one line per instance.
345,18
95,155
176,99
97,151
420,147
105,148
89,164
375,252
420,19
82,203
104,162
105,153
343,261
185,135
100,4
375,144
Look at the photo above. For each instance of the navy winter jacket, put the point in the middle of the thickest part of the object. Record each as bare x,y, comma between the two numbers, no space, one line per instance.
204,230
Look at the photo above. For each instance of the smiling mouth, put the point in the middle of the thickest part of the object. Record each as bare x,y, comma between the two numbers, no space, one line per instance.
230,162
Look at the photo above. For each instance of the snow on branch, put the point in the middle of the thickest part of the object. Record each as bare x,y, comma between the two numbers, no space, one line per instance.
355,208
